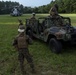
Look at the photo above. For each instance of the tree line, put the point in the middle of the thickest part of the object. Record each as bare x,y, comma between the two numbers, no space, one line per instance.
65,6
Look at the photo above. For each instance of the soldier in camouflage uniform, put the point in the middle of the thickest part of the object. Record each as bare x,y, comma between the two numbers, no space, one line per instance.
21,43
54,10
54,15
32,19
33,16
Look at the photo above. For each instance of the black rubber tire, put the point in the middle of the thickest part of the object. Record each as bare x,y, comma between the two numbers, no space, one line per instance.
55,45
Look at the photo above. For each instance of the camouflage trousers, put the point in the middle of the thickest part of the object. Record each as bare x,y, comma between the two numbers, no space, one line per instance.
24,53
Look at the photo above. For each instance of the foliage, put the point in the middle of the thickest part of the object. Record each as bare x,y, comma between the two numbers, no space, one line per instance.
65,6
6,7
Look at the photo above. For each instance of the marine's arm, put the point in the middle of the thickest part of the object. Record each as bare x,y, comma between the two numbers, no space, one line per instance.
29,40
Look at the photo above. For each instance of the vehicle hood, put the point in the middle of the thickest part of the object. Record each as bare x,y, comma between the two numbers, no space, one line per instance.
54,30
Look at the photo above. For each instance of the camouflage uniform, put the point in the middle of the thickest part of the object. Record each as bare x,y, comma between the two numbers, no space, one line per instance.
57,19
21,43
32,19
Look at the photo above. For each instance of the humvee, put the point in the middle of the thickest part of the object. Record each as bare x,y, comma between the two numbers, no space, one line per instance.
47,30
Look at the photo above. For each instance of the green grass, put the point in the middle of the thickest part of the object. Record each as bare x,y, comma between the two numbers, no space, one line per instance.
46,62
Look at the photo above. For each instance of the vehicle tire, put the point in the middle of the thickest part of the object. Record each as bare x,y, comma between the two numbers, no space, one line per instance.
55,45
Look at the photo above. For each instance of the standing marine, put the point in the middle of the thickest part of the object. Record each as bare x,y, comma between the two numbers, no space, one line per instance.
21,44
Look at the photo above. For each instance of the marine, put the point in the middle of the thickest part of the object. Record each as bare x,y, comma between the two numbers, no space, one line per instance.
55,16
21,44
54,10
33,16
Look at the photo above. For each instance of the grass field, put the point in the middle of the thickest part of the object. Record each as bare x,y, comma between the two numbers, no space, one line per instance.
46,62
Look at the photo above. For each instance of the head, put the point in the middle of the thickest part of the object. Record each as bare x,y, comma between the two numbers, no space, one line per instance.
33,14
56,6
21,29
54,10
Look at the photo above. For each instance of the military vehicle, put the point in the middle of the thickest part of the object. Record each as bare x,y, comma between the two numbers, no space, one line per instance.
47,29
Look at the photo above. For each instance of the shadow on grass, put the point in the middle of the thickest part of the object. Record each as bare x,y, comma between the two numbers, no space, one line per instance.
66,48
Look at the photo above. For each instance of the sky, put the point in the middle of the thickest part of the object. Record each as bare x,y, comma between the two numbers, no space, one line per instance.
31,3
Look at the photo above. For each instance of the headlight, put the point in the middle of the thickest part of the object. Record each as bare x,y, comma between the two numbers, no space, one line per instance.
68,36
59,35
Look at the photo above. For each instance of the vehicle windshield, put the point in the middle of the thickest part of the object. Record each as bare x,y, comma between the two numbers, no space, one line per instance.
50,23
41,20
